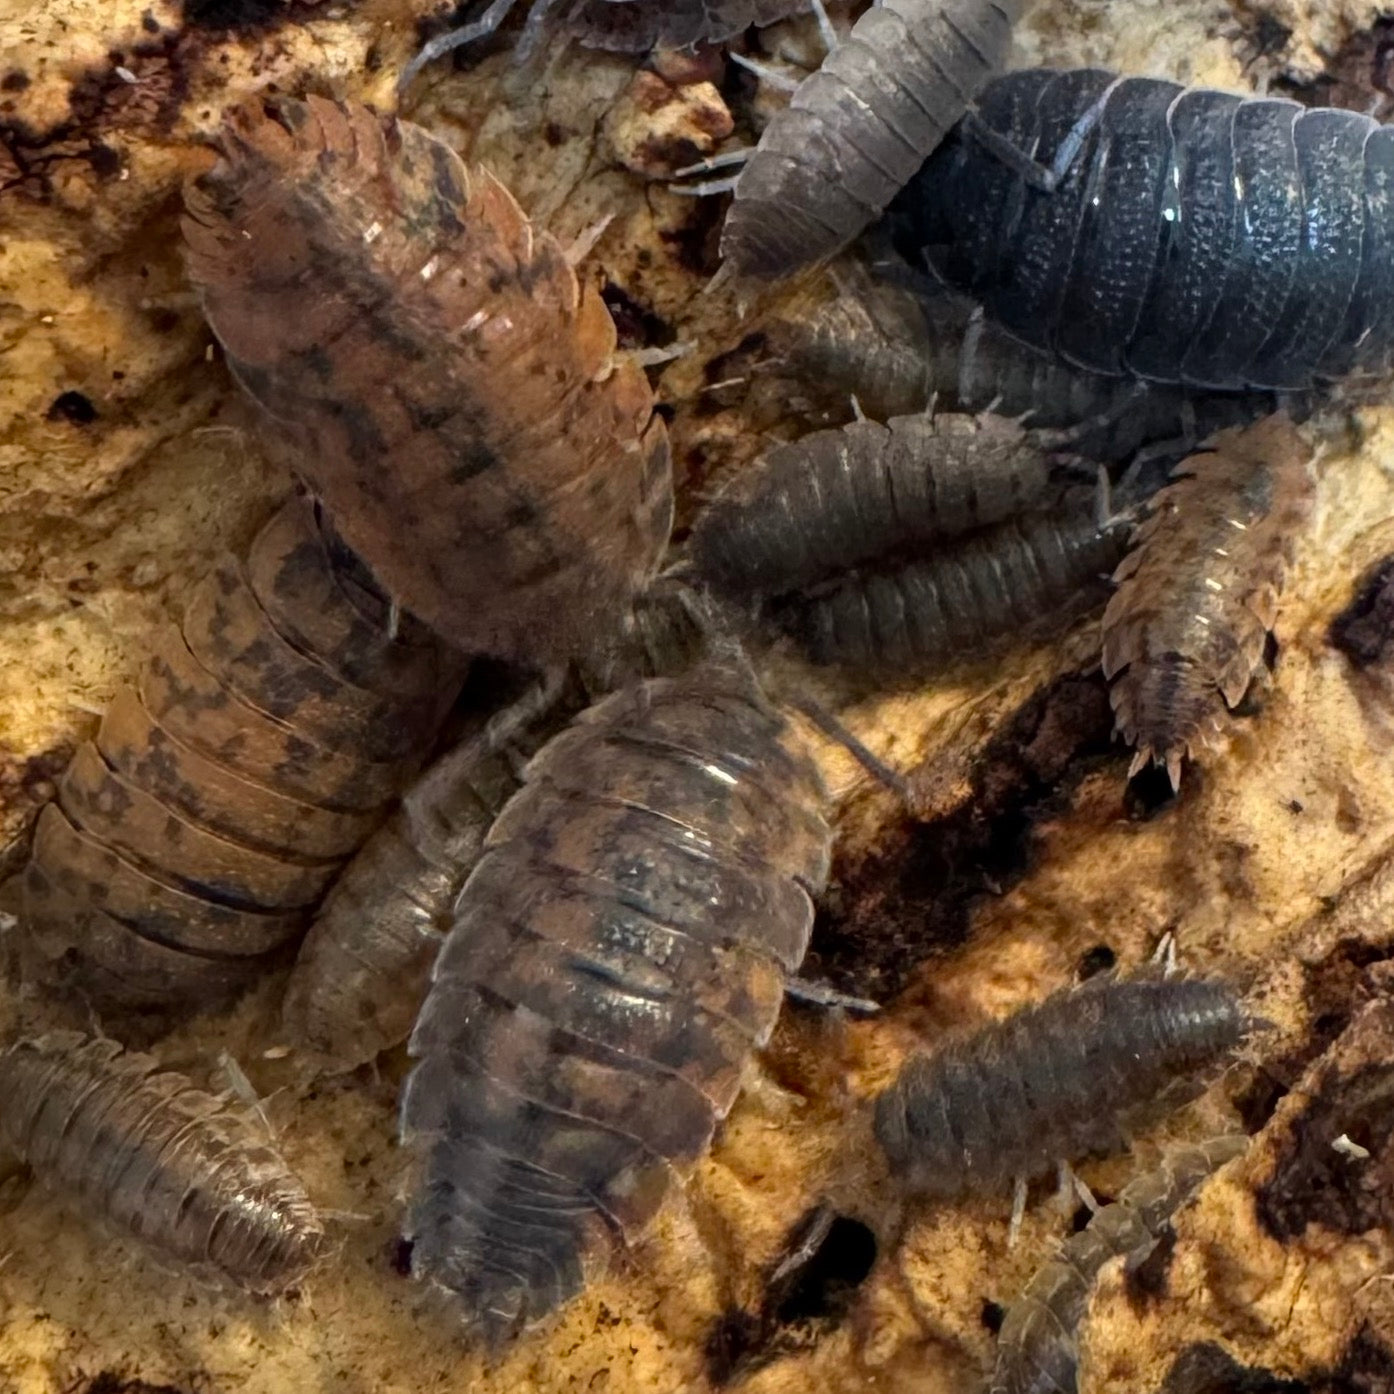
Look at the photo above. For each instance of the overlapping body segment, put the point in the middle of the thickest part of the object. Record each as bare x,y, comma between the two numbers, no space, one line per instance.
191,839
453,392
1198,593
617,955
636,26
1051,1083
1196,237
189,1173
836,498
1038,1346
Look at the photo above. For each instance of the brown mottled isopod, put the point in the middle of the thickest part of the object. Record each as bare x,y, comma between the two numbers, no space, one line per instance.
836,498
1198,594
193,837
617,955
188,1172
1038,1346
364,967
453,393
1051,1083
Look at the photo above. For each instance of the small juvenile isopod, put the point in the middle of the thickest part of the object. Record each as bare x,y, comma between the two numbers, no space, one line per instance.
188,1172
618,954
855,132
1025,576
1197,596
191,839
836,498
451,391
1051,1083
1038,1346
897,347
1134,226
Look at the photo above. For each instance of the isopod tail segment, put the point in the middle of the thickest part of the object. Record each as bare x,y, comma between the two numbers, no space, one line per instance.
191,839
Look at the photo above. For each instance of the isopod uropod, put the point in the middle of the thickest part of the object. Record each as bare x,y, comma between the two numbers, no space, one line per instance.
1051,1083
855,131
452,392
1038,1345
191,839
186,1171
1193,236
617,955
1185,631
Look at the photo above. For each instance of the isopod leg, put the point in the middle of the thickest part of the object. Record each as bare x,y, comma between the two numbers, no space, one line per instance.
877,768
1044,177
829,998
448,42
781,82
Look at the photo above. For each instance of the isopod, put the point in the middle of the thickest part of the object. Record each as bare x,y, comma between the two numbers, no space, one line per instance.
1051,1083
1198,594
618,954
836,498
897,348
620,26
363,969
1025,576
452,391
187,1172
190,841
856,131
637,26
1134,226
1038,1346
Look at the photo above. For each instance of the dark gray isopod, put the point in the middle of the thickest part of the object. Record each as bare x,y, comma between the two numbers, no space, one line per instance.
1051,1083
856,130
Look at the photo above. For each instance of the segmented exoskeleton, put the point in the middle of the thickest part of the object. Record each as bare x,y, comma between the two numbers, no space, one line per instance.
192,838
836,498
1038,1346
898,348
636,26
855,131
1051,1083
617,955
1193,236
188,1172
1198,594
453,393
1025,576
621,26
364,967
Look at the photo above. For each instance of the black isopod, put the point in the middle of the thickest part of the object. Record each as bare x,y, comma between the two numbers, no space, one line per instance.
1192,236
